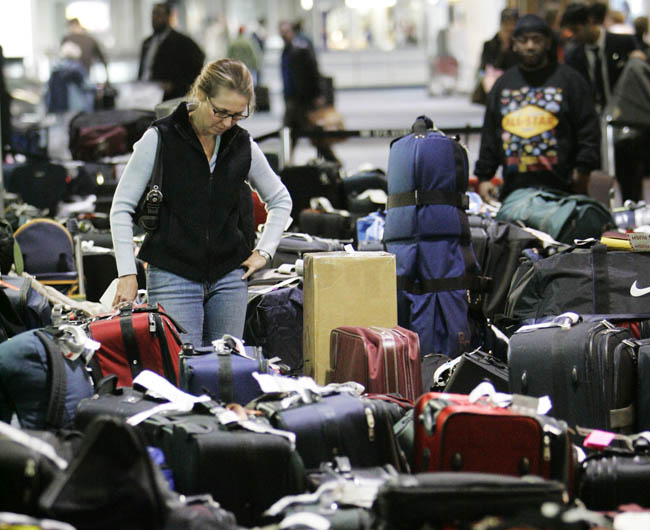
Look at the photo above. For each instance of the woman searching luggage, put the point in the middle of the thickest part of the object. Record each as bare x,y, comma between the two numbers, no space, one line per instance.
201,254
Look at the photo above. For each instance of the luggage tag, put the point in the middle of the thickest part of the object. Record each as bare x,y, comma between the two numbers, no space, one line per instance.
600,440
158,387
302,389
530,404
228,345
74,343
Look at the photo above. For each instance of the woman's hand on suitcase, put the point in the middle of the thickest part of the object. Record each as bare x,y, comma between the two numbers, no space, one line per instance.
253,263
127,290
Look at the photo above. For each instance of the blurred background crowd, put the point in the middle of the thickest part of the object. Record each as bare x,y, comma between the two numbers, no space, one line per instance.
441,48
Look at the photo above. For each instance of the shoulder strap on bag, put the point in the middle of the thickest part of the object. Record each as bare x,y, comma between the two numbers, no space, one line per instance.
58,381
156,175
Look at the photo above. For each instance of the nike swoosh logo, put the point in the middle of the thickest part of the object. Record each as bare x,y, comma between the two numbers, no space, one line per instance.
636,291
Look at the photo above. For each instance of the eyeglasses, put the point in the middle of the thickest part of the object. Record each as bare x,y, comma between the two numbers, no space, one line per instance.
222,114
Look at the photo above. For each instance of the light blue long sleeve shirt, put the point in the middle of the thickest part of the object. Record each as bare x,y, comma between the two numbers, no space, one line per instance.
135,178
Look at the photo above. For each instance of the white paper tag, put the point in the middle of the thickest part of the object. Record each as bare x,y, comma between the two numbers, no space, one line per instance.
280,383
160,387
109,294
639,242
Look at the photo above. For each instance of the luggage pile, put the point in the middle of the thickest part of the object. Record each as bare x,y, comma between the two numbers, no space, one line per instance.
466,373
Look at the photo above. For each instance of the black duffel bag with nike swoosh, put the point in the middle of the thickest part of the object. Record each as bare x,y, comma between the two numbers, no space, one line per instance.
588,280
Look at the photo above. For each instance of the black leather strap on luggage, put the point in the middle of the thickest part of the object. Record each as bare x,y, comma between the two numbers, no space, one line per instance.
434,285
423,197
130,342
168,365
330,430
57,382
622,419
601,285
224,378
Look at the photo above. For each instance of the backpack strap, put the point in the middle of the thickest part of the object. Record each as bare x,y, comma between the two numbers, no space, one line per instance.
57,379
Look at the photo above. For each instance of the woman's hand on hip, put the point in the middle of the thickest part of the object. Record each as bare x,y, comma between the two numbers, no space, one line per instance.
127,289
253,263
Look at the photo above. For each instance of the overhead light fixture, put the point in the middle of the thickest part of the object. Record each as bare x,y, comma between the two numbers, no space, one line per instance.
94,15
306,4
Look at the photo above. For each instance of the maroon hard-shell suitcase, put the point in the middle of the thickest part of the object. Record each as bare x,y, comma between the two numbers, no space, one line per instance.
383,360
134,338
453,434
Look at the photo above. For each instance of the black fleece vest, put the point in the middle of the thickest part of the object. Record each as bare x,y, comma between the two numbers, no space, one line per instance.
204,230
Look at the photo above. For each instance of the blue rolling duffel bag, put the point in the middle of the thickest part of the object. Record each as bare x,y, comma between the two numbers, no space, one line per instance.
38,383
224,374
428,231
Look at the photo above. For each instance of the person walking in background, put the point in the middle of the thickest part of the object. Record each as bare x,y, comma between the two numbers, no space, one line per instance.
90,49
497,55
241,49
301,85
203,250
169,57
540,122
68,88
600,56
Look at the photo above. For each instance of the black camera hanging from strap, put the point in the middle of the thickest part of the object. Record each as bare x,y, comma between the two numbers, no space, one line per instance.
147,213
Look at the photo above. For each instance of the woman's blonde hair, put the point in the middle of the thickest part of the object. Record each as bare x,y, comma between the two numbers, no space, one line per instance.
224,73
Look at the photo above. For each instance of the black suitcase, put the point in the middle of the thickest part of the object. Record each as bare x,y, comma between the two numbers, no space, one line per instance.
315,180
643,388
588,369
244,471
474,368
327,224
432,499
609,479
118,402
498,246
293,246
336,425
38,182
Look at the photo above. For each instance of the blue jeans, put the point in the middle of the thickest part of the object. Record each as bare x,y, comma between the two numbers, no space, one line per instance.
207,310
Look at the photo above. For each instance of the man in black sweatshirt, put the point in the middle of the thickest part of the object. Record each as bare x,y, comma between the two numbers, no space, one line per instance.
540,121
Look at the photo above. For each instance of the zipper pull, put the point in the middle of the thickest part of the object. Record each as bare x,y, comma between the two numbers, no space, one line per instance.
152,323
370,420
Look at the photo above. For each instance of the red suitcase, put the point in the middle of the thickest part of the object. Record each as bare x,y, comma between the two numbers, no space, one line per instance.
136,338
384,360
452,434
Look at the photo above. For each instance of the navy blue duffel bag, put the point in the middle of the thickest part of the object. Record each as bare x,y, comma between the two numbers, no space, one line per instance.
224,375
39,384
